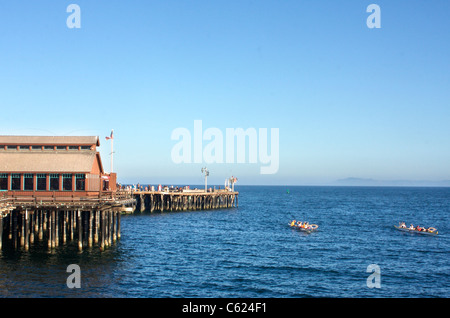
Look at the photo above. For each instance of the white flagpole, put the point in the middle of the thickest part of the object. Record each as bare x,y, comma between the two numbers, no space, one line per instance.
112,148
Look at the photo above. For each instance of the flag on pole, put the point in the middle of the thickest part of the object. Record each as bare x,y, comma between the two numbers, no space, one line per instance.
111,136
112,150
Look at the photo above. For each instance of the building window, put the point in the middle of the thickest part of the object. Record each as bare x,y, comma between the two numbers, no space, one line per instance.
15,181
12,147
54,182
28,182
80,181
36,147
49,148
73,147
67,181
3,181
41,182
85,147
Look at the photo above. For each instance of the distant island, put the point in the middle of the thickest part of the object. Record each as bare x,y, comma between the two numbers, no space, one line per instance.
400,183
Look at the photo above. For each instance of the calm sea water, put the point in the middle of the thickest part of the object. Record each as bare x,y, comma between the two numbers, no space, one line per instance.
251,251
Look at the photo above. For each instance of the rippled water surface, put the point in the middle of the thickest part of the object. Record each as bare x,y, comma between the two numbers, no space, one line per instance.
250,251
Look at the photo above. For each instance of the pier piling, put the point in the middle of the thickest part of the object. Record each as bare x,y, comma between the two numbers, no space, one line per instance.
1,230
185,200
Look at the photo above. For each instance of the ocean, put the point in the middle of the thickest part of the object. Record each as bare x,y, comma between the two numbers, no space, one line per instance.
252,252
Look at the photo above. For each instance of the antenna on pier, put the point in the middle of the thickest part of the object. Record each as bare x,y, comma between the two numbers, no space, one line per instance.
206,172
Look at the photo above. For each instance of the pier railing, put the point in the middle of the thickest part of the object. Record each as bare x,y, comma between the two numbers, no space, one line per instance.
142,200
33,198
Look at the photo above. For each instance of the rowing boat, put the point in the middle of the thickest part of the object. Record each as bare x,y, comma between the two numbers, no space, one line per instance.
415,231
311,228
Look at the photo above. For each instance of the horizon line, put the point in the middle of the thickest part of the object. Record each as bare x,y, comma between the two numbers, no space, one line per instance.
303,185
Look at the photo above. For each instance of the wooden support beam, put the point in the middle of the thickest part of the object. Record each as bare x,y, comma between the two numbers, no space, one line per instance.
1,230
41,225
26,220
49,226
102,231
90,225
97,224
10,225
57,228
64,224
109,224
80,236
118,225
22,236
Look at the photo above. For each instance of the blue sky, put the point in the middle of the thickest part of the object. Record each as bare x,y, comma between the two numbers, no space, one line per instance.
349,101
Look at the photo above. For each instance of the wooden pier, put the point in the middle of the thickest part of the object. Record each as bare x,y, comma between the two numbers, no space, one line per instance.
59,220
185,200
92,221
54,188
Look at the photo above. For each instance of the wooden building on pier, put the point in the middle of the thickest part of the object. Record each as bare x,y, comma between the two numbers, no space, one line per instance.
61,165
